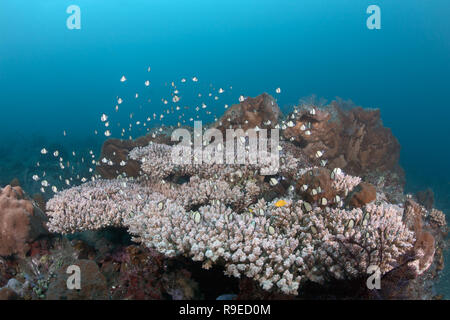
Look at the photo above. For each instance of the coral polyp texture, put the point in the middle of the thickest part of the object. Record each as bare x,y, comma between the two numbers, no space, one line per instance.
323,216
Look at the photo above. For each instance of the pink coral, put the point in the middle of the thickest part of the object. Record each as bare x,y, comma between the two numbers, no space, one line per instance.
20,221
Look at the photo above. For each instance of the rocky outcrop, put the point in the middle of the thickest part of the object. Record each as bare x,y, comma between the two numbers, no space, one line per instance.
21,221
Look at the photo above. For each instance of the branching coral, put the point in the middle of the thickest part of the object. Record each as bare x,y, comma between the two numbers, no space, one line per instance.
279,246
217,216
96,205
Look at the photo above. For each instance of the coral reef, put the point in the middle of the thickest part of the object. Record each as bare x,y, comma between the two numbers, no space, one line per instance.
333,207
21,222
331,228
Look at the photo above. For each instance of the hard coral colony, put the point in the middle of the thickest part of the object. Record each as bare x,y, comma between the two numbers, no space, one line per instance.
324,217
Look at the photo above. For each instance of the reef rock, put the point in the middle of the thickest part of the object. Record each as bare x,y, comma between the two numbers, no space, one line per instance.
261,111
354,140
21,221
93,283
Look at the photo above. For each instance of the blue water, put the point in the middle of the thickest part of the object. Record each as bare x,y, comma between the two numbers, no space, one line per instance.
54,79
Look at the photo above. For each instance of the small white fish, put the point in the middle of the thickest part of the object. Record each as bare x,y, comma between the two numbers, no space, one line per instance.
44,151
123,79
278,90
335,172
273,182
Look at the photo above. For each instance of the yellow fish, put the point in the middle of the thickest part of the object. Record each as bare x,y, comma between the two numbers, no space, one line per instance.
280,203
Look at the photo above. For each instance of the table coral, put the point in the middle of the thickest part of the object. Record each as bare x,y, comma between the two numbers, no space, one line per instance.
276,246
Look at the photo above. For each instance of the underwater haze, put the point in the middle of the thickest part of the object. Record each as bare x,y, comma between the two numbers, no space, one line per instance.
56,82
